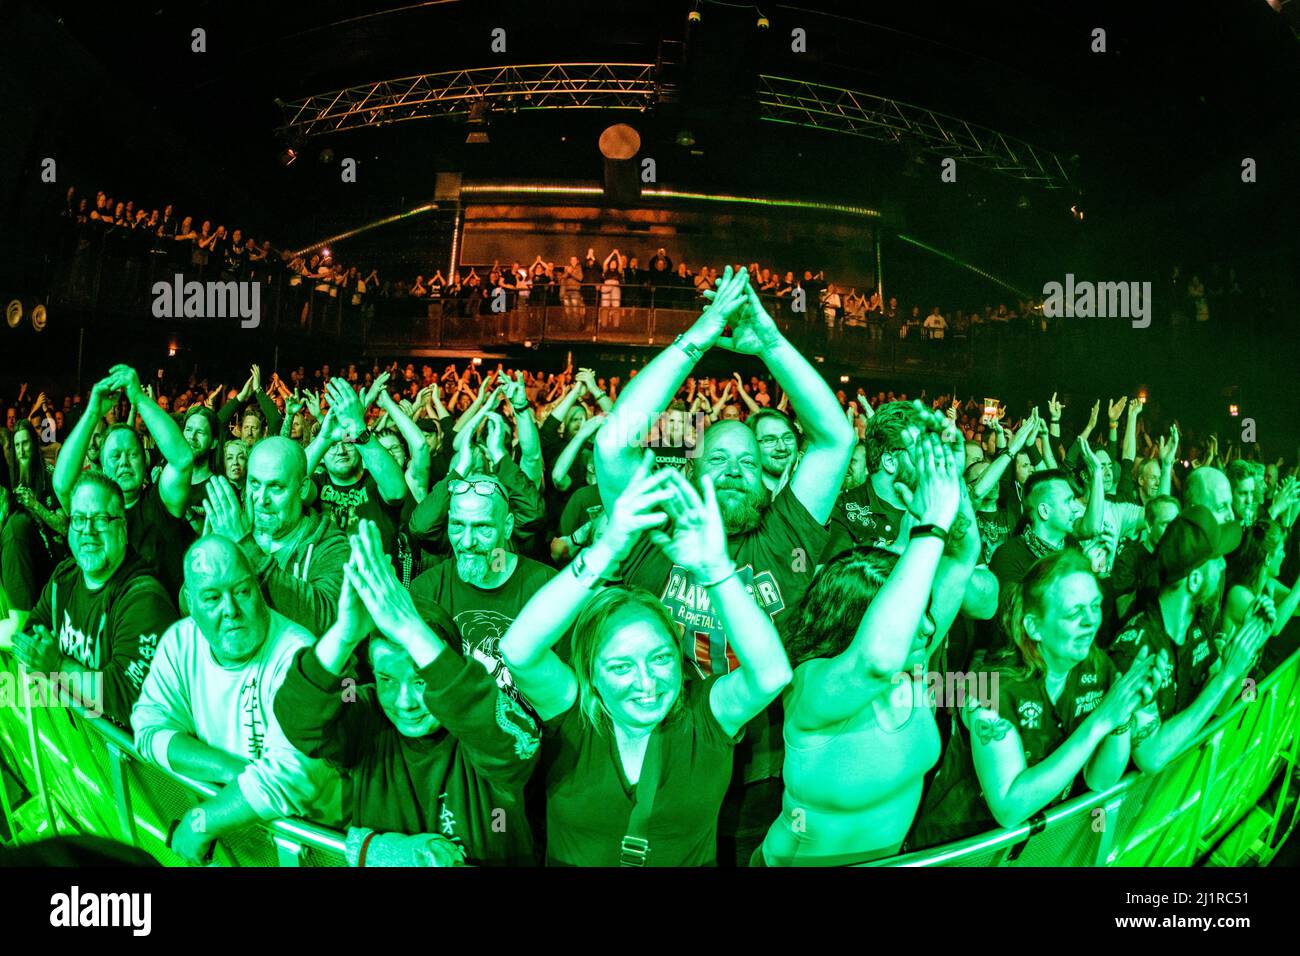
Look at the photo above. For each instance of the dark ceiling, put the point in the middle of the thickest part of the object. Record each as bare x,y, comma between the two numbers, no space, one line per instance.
1160,122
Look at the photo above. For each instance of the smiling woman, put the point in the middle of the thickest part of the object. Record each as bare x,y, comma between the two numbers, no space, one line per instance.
639,761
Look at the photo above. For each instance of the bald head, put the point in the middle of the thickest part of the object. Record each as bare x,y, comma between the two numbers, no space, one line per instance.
1210,488
276,488
225,600
280,456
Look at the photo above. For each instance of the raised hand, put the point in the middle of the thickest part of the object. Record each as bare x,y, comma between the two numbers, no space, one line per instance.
1089,456
639,508
516,390
755,333
225,515
697,539
377,387
724,308
1116,408
346,408
1168,450
371,575
1092,417
1054,408
937,494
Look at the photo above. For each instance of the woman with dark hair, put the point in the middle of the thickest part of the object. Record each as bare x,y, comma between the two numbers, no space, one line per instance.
637,761
860,731
202,433
32,541
1062,708
1253,570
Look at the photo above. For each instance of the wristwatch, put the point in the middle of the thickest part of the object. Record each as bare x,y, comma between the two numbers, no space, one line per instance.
363,439
928,531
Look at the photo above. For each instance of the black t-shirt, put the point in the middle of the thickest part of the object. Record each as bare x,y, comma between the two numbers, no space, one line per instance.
776,562
862,517
113,630
482,616
589,800
346,505
955,807
1193,659
159,538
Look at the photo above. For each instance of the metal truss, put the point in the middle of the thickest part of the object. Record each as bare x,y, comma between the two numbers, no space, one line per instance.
604,86
637,86
783,100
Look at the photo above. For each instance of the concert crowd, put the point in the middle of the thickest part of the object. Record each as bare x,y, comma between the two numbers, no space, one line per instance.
497,617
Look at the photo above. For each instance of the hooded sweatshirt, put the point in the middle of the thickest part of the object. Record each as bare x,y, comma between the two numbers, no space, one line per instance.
303,581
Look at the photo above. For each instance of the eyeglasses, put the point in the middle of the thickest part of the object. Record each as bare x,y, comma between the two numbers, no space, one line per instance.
485,488
99,522
770,441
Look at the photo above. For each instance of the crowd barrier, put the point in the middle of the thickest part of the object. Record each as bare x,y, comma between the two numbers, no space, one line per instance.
1229,800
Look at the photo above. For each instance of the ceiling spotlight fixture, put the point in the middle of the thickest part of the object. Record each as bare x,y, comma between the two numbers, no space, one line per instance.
326,156
479,122
685,138
1022,202
763,22
14,313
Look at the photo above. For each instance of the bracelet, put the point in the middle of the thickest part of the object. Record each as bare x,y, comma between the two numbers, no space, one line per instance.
693,352
1124,728
928,531
731,573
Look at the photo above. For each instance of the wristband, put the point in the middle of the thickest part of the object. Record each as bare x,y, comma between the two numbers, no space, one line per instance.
1124,728
928,531
731,572
588,578
693,352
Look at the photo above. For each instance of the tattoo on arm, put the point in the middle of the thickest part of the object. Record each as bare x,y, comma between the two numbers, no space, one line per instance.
1149,729
989,730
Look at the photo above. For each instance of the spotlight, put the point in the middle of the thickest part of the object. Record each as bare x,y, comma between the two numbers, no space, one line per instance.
528,343
326,156
1077,212
763,23
844,380
38,320
685,138
477,360
14,313
1022,202
288,157
1232,409
693,16
171,350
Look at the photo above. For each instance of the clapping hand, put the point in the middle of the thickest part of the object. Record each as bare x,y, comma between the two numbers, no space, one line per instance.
38,649
346,408
370,573
225,515
639,508
1134,690
937,494
1168,450
696,539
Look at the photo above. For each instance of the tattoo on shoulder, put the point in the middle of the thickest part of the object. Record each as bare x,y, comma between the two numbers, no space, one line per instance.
988,730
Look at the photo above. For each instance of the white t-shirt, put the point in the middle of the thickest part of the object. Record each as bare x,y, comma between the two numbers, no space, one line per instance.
231,709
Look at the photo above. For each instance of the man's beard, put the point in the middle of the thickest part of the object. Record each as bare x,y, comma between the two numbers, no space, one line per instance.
742,513
472,567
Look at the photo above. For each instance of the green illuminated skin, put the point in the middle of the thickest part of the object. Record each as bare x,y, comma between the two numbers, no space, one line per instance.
1099,746
860,733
